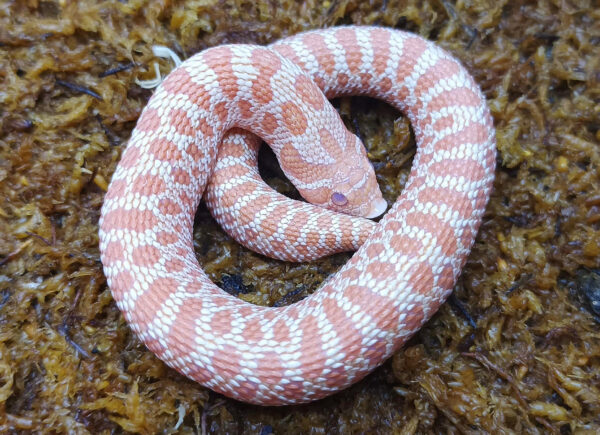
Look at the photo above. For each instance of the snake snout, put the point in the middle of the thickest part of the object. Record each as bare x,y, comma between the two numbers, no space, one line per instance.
377,209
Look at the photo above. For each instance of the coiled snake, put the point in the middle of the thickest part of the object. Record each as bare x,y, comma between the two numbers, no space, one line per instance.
407,264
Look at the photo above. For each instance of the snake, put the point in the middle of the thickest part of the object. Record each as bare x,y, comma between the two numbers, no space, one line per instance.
198,137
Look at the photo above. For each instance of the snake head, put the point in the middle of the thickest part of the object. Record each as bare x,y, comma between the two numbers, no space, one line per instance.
354,189
348,185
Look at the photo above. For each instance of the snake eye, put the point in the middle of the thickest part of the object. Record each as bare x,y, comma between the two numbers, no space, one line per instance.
339,199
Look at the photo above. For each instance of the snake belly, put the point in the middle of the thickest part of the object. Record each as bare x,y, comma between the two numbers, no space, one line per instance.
396,280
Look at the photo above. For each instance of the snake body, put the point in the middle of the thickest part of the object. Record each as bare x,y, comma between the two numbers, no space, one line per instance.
407,265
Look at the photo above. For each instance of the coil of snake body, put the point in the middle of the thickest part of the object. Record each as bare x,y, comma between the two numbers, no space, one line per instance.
408,263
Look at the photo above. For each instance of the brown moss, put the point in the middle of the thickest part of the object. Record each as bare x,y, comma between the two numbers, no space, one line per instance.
516,348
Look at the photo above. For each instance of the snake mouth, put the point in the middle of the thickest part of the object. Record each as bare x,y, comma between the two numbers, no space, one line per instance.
377,209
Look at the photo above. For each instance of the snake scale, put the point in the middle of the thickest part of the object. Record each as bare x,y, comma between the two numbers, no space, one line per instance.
188,143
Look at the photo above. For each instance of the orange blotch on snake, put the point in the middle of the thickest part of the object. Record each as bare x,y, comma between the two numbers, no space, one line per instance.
113,252
347,39
466,237
392,226
474,133
164,150
145,255
289,53
350,274
338,375
279,245
133,220
293,118
385,84
205,127
313,237
425,158
343,79
292,390
312,356
421,273
150,120
446,277
227,361
123,282
303,250
269,124
372,303
180,176
219,59
342,324
442,69
187,199
330,144
380,42
152,299
374,250
458,96
247,389
241,190
148,185
252,208
221,111
402,94
467,168
267,65
414,318
167,237
412,51
480,201
169,207
281,332
323,54
180,82
231,148
183,329
456,200
346,233
245,109
271,365
442,230
380,270
252,332
294,162
196,172
117,189
232,171
444,123
181,121
309,92
194,151
130,157
182,251
294,230
221,320
375,353
366,80
404,243
325,221
177,81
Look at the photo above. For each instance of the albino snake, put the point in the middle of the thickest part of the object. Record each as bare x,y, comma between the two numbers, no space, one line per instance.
408,263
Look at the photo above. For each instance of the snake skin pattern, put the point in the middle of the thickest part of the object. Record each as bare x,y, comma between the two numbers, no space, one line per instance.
278,227
407,265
